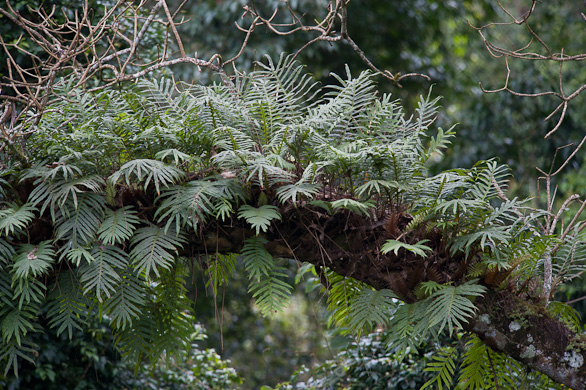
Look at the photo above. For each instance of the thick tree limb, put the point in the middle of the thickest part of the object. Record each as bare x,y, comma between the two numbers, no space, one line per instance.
348,244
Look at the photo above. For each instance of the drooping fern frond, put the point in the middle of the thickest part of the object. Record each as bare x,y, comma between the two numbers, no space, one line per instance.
220,269
342,292
118,226
444,365
15,218
370,308
410,324
192,203
128,300
449,305
78,224
68,308
154,248
266,282
100,270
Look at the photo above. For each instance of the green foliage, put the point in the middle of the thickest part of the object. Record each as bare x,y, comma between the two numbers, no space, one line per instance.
394,246
16,217
450,305
444,366
145,171
370,308
153,248
267,286
260,218
147,179
118,226
89,361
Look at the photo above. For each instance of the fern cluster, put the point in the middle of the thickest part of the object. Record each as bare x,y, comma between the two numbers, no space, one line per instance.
126,187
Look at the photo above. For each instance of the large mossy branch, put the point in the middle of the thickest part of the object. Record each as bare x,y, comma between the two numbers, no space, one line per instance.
349,245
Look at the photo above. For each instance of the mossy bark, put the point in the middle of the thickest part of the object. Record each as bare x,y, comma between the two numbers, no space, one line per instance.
527,333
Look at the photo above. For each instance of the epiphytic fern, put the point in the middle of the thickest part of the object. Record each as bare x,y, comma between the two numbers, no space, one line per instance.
267,279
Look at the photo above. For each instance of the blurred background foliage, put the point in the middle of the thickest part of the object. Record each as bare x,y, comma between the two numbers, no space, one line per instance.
423,36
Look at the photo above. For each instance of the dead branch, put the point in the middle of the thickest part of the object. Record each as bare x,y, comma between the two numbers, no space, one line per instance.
527,52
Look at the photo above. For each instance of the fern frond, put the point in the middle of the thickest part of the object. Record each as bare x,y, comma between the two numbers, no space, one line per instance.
410,324
342,292
259,217
269,290
449,305
78,224
444,365
257,260
118,226
418,249
161,174
14,218
16,322
53,195
12,352
353,205
100,273
68,306
33,261
220,269
565,313
475,370
28,291
192,202
128,301
292,192
369,308
6,252
154,248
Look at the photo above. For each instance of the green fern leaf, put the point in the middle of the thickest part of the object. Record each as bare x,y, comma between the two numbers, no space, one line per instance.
100,272
220,269
68,307
418,249
269,290
12,352
118,226
15,218
156,171
353,205
450,306
410,326
17,322
154,248
475,369
128,301
33,260
53,195
190,203
293,191
260,218
342,292
444,365
369,308
78,225
257,260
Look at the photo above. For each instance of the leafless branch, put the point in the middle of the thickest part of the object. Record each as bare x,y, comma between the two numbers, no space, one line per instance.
529,52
